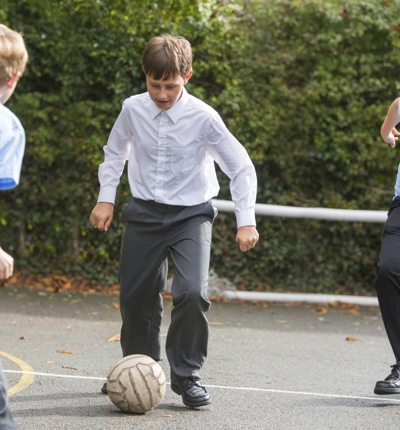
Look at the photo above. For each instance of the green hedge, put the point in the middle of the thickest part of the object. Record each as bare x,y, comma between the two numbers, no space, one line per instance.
303,84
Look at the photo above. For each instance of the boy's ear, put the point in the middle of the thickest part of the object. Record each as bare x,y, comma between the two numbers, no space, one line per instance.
13,81
187,77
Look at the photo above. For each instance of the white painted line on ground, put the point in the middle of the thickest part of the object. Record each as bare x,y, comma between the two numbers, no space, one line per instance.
305,393
224,387
56,375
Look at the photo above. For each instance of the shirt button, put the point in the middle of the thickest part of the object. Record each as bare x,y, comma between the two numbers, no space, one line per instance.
158,182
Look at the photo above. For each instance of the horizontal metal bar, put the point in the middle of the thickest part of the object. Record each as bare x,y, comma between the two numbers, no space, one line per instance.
349,215
299,297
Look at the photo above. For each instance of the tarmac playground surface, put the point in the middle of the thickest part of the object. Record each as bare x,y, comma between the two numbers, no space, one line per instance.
270,366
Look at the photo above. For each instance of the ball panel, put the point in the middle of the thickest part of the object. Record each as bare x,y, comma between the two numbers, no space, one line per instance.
136,383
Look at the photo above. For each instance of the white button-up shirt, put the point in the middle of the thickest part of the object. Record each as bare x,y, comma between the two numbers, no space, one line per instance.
171,156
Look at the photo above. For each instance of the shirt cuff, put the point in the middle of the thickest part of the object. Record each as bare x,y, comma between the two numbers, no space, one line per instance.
107,194
245,218
8,183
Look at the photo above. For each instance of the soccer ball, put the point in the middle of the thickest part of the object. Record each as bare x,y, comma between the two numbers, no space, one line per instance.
136,384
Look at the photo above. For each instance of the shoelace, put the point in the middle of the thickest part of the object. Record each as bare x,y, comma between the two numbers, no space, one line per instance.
395,370
193,381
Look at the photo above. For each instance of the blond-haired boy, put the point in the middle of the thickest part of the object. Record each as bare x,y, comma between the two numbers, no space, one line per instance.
13,58
171,140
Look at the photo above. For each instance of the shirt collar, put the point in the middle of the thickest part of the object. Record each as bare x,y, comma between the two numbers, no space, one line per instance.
175,111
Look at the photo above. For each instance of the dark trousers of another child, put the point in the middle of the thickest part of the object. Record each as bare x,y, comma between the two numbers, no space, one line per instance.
387,283
6,422
151,230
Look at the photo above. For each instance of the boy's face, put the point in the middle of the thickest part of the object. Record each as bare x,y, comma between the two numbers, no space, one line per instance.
166,93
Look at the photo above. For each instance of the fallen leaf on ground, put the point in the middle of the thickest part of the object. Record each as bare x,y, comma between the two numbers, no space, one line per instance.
217,298
165,415
67,367
348,311
58,283
23,337
345,308
353,339
115,305
322,311
64,351
115,338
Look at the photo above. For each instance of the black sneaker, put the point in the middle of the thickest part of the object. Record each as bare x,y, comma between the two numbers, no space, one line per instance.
391,385
104,388
193,393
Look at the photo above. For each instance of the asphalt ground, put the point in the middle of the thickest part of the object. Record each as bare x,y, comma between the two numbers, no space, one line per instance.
270,366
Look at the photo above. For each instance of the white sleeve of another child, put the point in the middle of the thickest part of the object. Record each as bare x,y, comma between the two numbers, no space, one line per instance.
12,146
397,184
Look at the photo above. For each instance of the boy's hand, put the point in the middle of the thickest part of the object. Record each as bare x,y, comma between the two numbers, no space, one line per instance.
391,139
6,265
247,236
102,215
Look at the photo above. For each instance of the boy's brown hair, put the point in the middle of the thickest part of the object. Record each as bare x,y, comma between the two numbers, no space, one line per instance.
13,54
167,56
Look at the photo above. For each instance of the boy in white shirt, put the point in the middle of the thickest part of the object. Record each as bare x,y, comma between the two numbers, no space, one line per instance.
171,140
13,58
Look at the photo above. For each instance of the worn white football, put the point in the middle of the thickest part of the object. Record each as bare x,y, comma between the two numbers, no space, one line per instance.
136,384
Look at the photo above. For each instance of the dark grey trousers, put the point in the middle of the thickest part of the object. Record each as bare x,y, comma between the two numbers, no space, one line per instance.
151,230
387,283
6,422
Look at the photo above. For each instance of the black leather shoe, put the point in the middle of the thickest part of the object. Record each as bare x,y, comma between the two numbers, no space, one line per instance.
391,385
104,388
192,392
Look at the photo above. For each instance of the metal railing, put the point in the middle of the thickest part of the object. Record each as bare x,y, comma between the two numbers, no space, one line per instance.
349,215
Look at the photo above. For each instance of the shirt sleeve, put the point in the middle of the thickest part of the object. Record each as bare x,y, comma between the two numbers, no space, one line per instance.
12,146
116,152
235,162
